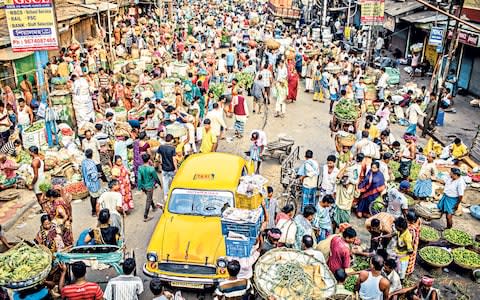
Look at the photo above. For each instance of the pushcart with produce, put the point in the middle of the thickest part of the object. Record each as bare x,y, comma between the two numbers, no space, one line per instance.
345,114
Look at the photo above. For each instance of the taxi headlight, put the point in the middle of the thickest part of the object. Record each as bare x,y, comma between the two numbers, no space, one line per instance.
222,262
152,257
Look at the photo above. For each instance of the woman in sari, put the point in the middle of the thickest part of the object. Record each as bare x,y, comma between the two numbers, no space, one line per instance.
370,189
48,235
292,85
140,146
61,215
414,225
120,173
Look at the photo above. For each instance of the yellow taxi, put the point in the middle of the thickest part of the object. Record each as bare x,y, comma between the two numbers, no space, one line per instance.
187,248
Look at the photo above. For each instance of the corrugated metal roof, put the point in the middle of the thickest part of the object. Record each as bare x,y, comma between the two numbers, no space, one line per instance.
424,17
395,8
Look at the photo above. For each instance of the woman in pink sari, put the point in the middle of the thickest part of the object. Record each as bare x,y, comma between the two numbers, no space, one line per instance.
120,173
292,85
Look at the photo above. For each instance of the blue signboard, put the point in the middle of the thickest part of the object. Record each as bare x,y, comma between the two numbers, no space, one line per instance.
436,36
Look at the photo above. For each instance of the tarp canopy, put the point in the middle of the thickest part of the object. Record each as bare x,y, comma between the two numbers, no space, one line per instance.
394,8
7,54
423,17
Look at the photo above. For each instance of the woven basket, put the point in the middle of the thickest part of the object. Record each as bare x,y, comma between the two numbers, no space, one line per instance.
435,264
426,240
82,195
465,266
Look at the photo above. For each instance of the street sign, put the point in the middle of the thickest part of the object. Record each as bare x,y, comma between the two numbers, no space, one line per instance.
436,36
32,25
372,12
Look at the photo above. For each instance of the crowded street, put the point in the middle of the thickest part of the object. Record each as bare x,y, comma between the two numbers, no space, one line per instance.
238,150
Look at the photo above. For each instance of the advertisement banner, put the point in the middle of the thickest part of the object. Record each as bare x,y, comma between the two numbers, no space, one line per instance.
31,24
372,12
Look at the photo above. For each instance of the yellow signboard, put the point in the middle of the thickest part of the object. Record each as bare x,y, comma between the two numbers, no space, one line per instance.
372,12
31,25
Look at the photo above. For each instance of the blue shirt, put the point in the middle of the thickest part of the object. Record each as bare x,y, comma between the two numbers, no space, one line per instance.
230,59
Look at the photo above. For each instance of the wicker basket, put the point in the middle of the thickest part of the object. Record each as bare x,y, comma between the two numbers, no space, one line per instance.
465,266
426,240
81,195
32,281
435,264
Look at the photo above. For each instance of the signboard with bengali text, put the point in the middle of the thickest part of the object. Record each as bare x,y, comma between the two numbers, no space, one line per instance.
372,12
31,24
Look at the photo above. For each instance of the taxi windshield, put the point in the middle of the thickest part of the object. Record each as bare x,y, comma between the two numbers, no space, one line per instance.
199,203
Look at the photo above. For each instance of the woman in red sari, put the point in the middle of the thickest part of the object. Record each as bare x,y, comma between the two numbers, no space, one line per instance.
120,173
292,84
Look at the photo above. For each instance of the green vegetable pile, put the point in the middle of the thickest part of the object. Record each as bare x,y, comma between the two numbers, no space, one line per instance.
350,283
45,186
436,255
458,237
429,234
217,89
34,127
360,263
466,258
414,170
245,80
22,262
346,110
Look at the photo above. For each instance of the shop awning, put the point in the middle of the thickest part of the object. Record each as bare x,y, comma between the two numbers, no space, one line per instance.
7,54
423,17
394,8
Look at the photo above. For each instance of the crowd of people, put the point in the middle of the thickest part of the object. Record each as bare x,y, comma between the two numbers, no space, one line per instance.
216,46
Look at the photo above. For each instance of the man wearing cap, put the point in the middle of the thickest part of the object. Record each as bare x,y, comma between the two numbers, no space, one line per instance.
397,202
452,195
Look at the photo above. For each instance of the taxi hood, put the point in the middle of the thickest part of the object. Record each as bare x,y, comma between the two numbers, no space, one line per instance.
188,239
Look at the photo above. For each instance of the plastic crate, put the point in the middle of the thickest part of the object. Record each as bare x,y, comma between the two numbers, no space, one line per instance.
245,202
239,247
250,230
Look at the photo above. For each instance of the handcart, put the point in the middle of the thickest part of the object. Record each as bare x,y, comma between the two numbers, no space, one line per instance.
290,180
97,257
279,149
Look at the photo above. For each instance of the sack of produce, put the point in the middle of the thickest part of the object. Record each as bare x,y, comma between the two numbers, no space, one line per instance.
272,44
34,135
24,266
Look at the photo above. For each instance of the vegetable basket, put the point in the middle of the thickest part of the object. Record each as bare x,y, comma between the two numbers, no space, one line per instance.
468,241
435,264
424,239
34,280
464,265
80,195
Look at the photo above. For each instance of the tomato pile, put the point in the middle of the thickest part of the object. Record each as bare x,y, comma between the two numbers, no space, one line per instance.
76,188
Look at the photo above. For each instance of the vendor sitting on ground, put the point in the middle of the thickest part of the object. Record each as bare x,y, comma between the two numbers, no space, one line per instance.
7,168
456,151
104,234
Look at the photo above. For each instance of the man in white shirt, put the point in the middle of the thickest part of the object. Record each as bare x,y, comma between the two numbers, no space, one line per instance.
308,173
452,195
389,272
382,84
307,246
126,286
397,202
217,124
282,71
329,176
413,111
378,45
112,200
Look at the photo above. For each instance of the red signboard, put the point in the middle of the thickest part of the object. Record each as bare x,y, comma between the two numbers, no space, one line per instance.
466,38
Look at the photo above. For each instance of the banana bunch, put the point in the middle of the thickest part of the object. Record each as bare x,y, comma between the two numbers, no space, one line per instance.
22,262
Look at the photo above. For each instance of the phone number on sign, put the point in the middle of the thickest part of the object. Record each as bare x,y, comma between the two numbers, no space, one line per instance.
36,40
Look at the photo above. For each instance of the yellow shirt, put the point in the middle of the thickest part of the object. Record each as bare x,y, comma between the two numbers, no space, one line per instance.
404,244
459,151
208,139
62,70
373,132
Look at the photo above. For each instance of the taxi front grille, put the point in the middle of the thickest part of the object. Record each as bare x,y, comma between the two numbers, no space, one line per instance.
187,269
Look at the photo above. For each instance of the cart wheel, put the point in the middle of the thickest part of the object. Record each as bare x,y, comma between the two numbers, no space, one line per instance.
282,158
289,150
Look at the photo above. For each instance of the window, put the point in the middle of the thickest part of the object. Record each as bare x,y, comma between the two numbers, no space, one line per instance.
199,203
